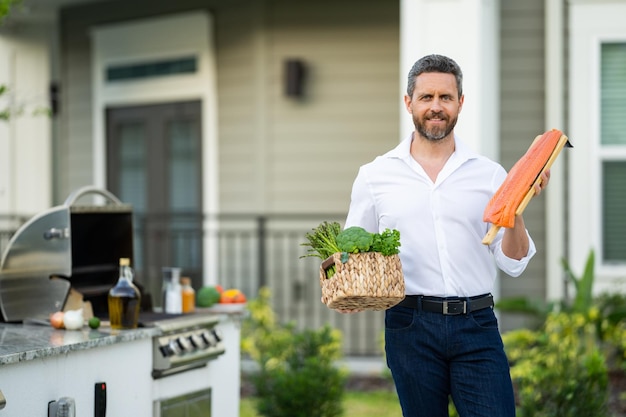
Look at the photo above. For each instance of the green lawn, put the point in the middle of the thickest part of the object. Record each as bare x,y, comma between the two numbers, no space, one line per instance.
356,404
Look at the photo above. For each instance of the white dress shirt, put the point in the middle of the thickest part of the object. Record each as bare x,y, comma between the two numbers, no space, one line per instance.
441,224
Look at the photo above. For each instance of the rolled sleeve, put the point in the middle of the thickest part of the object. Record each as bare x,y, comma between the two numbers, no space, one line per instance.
510,266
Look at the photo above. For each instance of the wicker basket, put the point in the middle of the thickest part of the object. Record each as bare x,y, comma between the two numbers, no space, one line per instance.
367,281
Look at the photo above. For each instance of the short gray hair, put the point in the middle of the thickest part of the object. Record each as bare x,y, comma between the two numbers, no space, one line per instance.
435,63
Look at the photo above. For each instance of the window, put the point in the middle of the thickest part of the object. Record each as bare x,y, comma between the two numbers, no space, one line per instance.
187,65
613,151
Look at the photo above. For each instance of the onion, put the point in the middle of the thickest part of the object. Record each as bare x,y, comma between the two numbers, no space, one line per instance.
56,319
73,319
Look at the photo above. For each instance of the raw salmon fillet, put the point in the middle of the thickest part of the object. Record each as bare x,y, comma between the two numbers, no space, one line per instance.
504,204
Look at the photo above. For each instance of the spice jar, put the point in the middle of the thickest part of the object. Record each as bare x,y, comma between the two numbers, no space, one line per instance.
188,295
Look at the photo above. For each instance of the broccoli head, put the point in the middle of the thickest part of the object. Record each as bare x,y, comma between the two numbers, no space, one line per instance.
354,239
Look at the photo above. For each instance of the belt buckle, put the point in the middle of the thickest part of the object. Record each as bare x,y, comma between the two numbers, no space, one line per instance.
456,310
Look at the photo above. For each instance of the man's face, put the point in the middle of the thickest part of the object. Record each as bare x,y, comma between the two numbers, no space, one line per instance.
435,105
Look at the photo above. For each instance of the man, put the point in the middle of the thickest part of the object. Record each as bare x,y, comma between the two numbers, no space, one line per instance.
443,339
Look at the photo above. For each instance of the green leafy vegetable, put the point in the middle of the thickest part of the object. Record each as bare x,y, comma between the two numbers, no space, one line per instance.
328,239
387,242
354,239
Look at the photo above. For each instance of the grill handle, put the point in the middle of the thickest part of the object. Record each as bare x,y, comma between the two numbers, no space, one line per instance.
90,189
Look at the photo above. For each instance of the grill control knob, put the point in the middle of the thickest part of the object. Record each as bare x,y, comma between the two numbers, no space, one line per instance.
174,348
217,334
196,341
166,350
184,344
209,338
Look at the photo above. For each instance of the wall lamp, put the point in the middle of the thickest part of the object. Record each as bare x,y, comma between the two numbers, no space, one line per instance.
295,78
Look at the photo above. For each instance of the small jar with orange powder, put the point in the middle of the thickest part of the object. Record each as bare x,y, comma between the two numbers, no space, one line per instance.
188,294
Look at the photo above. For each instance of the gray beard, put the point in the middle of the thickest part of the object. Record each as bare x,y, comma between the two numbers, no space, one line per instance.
434,135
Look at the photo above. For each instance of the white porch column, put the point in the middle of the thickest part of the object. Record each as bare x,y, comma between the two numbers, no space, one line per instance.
466,31
25,140
555,196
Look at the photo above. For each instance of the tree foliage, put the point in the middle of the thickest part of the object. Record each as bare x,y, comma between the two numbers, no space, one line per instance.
5,7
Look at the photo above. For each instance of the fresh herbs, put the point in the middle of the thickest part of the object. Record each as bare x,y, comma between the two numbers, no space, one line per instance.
387,242
328,238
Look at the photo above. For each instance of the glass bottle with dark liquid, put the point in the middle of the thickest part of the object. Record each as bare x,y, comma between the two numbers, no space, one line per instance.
124,299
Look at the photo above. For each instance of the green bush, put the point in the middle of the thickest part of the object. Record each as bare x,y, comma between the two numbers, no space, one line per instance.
297,374
611,328
559,370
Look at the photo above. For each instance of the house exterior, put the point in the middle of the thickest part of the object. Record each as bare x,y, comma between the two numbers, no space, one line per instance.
277,103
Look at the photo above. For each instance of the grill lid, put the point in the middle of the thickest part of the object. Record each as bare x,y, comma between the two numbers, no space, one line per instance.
38,259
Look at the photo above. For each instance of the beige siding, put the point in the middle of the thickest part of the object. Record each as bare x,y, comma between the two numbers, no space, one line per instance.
75,154
239,115
351,111
301,156
522,118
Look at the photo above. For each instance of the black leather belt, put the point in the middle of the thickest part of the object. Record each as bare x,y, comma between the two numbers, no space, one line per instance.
448,306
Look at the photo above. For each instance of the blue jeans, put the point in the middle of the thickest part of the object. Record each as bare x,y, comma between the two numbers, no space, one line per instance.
433,356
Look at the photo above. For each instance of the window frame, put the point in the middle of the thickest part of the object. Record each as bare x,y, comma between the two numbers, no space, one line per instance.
590,23
601,154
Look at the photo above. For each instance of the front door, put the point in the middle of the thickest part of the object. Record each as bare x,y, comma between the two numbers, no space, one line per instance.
154,163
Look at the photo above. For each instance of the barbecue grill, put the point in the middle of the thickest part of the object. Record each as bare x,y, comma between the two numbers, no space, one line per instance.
68,246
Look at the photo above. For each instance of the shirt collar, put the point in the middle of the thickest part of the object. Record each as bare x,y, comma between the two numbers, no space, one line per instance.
462,152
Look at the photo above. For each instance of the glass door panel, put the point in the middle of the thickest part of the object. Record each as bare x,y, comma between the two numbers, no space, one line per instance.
154,163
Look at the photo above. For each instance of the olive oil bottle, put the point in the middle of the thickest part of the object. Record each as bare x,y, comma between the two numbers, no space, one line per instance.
124,299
